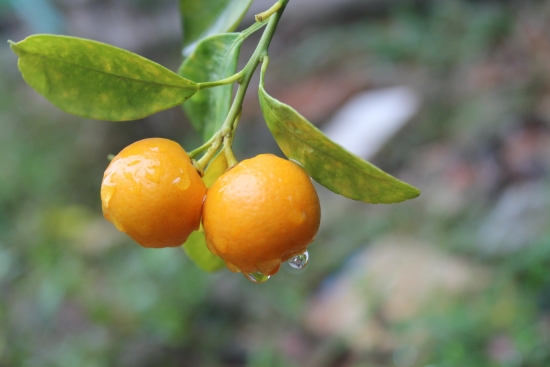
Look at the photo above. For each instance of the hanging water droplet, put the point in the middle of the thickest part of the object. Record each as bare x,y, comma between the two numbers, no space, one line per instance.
256,277
299,261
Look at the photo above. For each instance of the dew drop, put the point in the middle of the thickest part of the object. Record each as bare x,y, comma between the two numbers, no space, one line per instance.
182,182
107,194
299,261
256,277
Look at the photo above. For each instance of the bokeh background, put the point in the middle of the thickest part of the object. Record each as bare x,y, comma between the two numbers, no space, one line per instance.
456,278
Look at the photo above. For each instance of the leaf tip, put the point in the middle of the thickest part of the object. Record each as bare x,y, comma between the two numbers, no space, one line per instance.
411,193
415,193
14,47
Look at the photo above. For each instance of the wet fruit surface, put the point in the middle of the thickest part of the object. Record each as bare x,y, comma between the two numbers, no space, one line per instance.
262,212
152,192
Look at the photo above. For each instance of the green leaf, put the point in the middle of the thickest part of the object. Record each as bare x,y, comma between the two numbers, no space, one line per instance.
195,246
196,250
98,81
328,163
203,18
215,169
214,58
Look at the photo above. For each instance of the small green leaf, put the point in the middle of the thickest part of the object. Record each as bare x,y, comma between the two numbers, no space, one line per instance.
195,246
328,163
203,18
214,58
98,81
196,250
215,169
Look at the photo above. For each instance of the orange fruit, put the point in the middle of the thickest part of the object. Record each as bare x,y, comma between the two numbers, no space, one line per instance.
260,213
152,192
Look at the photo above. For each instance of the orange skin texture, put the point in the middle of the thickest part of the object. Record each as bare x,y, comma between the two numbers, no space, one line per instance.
262,212
152,192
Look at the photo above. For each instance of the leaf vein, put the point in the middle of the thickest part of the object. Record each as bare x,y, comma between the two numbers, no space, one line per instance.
145,81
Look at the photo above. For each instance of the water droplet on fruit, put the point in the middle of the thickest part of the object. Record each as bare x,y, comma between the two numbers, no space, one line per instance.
299,261
182,182
256,277
107,194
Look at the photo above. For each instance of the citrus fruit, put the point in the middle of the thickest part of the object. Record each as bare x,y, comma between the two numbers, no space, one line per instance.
152,192
262,212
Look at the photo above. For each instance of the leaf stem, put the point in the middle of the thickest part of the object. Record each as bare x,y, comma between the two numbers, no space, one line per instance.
269,12
232,79
265,64
253,28
235,77
203,148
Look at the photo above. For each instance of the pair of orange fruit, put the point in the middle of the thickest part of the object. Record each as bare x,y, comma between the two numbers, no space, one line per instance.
258,214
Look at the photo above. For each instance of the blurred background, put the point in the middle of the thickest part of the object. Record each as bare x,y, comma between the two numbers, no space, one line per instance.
452,96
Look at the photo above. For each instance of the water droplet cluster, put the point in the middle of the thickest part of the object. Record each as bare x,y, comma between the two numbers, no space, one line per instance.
297,262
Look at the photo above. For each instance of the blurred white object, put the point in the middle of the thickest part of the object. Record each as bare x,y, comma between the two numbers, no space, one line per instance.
519,218
41,15
394,281
368,120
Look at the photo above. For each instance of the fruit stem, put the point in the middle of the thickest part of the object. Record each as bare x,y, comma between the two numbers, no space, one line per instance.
227,131
250,68
228,142
201,164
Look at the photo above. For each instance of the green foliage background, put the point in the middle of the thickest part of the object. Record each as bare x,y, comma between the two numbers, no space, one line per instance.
74,291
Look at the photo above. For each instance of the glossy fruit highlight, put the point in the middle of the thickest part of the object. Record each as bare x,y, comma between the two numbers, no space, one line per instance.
262,212
152,192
